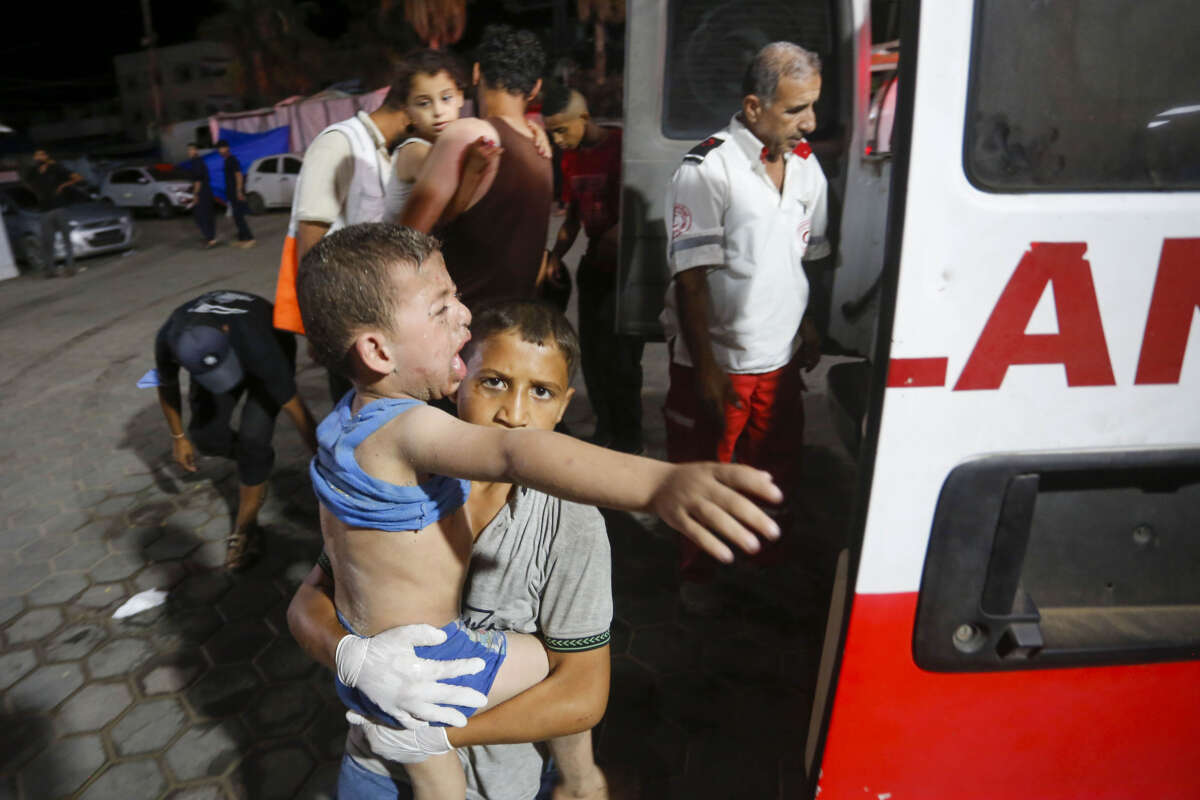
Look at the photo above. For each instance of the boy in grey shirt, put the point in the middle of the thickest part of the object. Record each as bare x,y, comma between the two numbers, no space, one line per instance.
539,565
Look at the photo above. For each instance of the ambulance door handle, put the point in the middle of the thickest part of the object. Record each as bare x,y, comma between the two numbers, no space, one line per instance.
1008,547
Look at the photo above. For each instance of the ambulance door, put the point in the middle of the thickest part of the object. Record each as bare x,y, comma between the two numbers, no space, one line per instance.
1021,614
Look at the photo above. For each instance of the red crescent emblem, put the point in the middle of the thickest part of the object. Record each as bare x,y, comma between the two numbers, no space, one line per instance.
681,221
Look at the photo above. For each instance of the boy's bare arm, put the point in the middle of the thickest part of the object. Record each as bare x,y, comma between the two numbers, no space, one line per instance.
442,172
703,501
312,619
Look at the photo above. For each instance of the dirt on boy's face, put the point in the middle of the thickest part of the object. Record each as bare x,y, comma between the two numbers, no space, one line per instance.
512,383
430,327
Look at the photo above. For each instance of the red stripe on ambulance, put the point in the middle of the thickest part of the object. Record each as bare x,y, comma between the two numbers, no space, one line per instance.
1041,734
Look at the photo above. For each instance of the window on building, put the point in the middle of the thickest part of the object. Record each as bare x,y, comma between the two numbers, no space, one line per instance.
1102,95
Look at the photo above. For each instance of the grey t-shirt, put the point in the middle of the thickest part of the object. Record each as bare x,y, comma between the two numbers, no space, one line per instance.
541,566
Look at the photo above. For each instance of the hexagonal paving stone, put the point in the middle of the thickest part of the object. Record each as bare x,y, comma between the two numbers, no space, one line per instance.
275,773
238,641
34,515
172,672
74,642
187,627
118,657
10,607
34,625
21,742
101,595
249,598
132,484
206,750
189,519
223,690
280,710
14,666
93,707
148,726
64,521
83,555
15,538
175,543
45,687
210,555
160,576
63,766
57,589
141,778
326,736
17,578
125,539
117,567
211,791
112,506
283,659
665,648
203,588
151,514
45,547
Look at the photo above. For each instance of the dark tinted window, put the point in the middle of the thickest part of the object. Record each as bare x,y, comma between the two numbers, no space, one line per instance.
709,45
270,165
291,166
125,176
1084,94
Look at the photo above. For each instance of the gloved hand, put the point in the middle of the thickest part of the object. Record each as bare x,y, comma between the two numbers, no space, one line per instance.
388,671
402,746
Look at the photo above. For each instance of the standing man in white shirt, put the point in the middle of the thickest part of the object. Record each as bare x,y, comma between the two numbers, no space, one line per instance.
344,181
748,204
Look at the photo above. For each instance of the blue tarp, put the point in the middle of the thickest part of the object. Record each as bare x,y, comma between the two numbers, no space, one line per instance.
246,147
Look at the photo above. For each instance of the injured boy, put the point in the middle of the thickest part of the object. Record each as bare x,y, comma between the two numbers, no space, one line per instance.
392,472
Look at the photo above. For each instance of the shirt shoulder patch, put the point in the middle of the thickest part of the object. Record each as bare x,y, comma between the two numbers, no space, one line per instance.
701,150
804,149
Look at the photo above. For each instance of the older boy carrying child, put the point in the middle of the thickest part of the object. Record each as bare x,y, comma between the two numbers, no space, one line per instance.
378,304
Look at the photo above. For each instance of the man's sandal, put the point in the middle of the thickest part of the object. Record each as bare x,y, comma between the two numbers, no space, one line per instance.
241,548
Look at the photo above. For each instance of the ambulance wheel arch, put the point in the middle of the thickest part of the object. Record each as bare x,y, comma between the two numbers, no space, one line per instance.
1034,341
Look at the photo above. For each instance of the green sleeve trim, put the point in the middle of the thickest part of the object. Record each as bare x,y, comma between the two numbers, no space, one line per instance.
578,645
324,563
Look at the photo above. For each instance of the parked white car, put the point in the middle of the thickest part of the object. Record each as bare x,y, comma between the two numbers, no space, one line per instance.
166,190
271,181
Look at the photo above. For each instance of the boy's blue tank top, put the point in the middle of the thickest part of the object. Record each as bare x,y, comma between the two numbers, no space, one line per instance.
362,501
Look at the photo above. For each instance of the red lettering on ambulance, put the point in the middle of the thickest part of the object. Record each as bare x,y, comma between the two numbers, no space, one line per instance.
1079,344
1172,308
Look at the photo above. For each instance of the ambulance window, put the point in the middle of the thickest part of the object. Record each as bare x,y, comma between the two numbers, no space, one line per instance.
1084,94
709,44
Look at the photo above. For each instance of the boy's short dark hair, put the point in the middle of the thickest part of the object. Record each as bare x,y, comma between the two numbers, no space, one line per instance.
535,322
344,284
422,62
193,144
221,143
510,59
555,98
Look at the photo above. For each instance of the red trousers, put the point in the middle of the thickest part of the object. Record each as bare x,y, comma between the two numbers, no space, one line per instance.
767,432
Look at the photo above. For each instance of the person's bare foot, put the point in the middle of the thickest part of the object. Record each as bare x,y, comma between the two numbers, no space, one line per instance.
241,548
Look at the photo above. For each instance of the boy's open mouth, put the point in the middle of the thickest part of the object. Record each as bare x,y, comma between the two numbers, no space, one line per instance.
457,364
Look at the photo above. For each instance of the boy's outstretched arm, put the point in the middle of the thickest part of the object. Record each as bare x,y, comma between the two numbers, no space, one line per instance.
706,502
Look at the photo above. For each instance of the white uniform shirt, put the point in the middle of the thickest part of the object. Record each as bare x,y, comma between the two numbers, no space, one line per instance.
727,214
329,170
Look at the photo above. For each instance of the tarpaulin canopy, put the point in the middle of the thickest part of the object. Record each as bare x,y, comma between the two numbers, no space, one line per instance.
246,147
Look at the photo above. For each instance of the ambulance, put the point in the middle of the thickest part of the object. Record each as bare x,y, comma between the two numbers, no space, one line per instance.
1016,610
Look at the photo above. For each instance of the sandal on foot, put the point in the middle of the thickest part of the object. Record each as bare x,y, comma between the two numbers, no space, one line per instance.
241,548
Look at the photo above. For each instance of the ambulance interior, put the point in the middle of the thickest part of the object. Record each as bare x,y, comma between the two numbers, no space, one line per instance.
684,63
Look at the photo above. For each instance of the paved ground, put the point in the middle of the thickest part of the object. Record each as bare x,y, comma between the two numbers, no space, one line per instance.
207,696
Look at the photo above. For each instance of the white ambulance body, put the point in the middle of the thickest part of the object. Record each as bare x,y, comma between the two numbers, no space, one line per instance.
1017,612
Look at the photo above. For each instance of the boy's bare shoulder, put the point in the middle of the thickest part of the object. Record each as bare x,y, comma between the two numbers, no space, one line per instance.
462,132
410,157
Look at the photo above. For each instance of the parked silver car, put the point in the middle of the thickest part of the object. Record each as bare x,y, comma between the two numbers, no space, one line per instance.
96,227
271,182
166,190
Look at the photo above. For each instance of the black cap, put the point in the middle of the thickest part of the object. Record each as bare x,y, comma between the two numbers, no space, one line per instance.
205,352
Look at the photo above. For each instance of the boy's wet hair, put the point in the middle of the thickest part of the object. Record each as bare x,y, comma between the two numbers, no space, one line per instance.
535,322
344,285
422,62
510,59
555,98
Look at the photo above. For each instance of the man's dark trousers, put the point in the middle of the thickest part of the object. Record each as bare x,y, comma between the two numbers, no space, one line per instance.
239,218
55,220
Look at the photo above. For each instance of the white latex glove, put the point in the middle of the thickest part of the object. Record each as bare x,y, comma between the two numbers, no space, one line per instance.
402,746
388,671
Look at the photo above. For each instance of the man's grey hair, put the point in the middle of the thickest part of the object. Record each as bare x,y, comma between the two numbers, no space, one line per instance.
775,61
